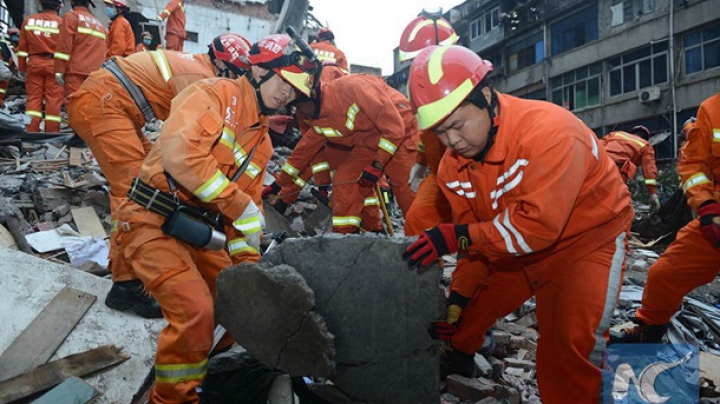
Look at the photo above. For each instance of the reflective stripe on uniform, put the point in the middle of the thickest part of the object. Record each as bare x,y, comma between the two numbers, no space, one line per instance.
162,64
61,56
239,245
253,170
212,187
372,201
421,147
697,179
507,231
299,182
387,145
53,118
228,138
716,135
352,112
327,132
90,31
346,221
3,91
321,166
42,29
650,181
638,142
290,170
180,373
36,114
22,54
114,226
250,225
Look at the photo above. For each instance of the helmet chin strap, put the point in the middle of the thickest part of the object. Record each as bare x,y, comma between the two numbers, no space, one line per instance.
478,99
251,78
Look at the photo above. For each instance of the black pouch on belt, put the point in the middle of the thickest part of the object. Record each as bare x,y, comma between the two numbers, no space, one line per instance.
186,225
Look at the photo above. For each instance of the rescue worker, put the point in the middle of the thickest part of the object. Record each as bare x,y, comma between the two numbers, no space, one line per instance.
693,259
209,160
105,115
327,52
631,149
144,44
366,129
81,46
430,207
6,55
120,38
538,209
38,40
175,34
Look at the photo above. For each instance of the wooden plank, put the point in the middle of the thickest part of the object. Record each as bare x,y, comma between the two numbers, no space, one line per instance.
39,341
87,222
6,238
52,374
73,390
76,156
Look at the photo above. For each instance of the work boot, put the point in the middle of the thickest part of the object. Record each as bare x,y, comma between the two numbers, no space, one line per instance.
130,296
454,362
641,333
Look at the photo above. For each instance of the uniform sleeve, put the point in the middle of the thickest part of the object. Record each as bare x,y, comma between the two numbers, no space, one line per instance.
68,30
650,171
342,60
129,39
550,183
296,169
169,8
695,165
179,82
380,109
420,157
188,136
22,53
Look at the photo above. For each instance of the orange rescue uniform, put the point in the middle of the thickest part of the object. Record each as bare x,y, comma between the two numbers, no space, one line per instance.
80,49
629,151
38,40
361,119
120,38
213,126
330,55
175,33
691,260
547,216
104,115
141,47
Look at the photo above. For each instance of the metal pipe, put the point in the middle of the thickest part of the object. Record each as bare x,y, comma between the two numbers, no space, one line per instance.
671,53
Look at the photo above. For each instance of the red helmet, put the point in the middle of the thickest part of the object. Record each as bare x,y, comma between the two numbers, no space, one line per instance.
233,50
440,79
641,131
325,34
280,54
420,34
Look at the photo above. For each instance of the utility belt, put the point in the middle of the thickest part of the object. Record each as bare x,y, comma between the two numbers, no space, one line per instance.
132,89
193,225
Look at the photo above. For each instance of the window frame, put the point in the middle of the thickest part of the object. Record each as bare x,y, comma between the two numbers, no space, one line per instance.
637,63
592,72
493,13
698,46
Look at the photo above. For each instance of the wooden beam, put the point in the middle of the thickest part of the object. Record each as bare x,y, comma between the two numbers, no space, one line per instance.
54,373
73,390
39,341
87,222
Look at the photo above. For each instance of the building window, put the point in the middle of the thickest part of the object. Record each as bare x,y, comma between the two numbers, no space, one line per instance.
575,30
192,36
526,53
486,22
702,49
578,89
638,69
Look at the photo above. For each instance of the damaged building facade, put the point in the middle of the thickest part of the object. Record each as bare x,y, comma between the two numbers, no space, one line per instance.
611,62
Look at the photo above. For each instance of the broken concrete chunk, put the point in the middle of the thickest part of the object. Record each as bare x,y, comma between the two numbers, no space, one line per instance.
480,388
484,367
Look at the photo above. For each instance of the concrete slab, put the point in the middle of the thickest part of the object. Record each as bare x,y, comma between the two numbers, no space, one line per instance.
28,283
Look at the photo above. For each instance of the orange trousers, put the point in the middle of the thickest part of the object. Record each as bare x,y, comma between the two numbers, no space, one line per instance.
174,42
429,208
73,82
690,261
574,307
106,118
42,88
182,279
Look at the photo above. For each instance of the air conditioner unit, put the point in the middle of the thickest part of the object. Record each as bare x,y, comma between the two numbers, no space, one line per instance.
649,95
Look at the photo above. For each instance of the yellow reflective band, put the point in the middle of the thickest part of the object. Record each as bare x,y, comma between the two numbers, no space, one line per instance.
299,182
319,167
650,182
53,118
182,7
58,74
431,114
695,180
352,111
372,201
212,187
250,225
173,374
253,170
239,245
162,64
387,145
42,29
90,31
3,91
292,171
239,154
114,226
327,132
716,135
435,70
166,11
22,54
418,27
346,221
36,114
421,147
61,56
636,141
228,138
